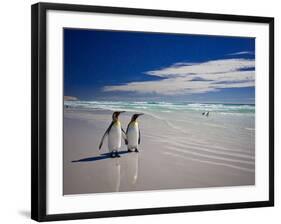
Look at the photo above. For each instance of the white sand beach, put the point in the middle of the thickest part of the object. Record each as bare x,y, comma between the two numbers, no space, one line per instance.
178,150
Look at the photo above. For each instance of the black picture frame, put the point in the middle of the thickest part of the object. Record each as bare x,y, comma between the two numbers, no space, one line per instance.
39,107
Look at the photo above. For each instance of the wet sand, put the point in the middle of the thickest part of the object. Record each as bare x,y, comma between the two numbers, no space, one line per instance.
177,151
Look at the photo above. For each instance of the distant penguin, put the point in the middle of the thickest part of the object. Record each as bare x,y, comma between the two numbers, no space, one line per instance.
206,113
115,134
133,134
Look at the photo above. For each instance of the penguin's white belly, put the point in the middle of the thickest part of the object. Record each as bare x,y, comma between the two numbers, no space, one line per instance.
133,135
114,137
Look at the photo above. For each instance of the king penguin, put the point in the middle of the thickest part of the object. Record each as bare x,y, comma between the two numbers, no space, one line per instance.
115,133
133,134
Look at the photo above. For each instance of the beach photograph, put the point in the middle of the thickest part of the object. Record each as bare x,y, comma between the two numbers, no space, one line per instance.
148,111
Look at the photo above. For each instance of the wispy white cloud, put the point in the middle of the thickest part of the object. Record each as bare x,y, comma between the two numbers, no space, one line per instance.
241,53
184,78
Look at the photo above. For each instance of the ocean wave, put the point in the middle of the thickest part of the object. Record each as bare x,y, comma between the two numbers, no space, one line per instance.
161,106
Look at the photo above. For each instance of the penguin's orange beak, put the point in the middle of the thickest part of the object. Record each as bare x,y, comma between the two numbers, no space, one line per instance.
120,112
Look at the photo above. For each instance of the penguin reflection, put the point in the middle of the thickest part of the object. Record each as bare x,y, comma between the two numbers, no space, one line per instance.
115,133
131,169
123,170
115,179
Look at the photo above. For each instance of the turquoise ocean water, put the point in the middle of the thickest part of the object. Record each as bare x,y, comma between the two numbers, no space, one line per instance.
166,107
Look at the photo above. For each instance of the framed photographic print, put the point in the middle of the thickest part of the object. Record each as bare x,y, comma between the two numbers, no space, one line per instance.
138,111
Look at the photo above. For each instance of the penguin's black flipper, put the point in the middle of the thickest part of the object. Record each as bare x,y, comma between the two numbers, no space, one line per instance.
124,136
101,142
126,141
128,127
106,132
139,137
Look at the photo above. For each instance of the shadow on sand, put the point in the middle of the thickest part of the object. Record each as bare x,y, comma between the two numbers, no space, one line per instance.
100,157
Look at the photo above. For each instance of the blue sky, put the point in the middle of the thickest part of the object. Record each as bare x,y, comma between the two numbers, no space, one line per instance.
138,66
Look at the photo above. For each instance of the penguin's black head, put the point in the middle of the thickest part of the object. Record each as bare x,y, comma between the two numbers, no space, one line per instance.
116,114
135,116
